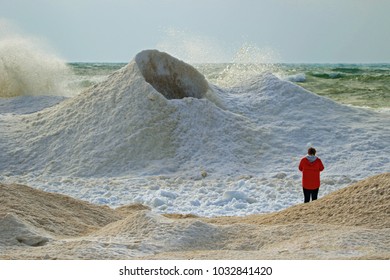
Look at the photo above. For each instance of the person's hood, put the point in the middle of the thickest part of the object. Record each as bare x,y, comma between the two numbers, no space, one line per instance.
311,158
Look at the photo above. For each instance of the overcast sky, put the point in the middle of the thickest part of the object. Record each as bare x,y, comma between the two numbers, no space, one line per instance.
212,30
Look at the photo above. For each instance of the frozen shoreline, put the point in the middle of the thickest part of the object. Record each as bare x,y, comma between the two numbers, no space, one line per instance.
208,197
351,223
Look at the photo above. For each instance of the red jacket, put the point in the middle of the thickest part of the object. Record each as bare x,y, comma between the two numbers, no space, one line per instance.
311,173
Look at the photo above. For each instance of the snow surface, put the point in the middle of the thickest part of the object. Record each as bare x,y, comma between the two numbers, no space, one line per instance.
207,151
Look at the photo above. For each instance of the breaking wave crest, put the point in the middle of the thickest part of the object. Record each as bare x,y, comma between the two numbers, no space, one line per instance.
27,69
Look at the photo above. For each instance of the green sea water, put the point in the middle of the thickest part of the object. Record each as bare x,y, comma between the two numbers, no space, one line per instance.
363,85
366,85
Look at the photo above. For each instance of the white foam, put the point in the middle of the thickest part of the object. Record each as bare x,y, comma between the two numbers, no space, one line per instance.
298,78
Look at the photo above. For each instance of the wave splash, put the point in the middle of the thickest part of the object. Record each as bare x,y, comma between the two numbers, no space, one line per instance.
26,68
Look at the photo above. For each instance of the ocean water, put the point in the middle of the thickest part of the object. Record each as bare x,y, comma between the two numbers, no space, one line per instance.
363,85
207,139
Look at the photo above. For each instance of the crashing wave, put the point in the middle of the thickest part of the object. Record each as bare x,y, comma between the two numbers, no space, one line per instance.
25,69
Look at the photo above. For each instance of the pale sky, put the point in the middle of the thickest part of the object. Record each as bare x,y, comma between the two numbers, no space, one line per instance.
349,31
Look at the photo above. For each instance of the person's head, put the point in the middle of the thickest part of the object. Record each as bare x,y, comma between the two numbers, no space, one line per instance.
311,151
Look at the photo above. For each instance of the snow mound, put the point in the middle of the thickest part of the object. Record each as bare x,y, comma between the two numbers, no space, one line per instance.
125,126
28,209
363,204
119,125
151,232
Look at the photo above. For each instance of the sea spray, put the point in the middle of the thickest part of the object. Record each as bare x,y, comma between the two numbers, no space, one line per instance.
237,63
249,61
28,68
192,48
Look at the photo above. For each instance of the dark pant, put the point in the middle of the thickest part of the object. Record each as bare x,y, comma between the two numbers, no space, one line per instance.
310,193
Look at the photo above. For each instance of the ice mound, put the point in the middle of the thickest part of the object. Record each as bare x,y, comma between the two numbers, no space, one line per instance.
118,125
171,77
125,126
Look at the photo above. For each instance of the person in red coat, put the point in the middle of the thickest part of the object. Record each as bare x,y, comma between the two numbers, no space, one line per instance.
311,166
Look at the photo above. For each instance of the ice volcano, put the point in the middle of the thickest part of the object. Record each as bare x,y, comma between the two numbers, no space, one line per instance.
131,123
160,116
